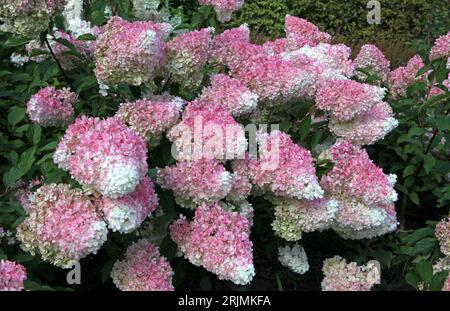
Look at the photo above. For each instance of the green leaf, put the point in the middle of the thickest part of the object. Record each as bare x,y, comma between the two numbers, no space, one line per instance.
23,257
443,123
412,279
409,170
305,127
438,281
16,41
428,162
168,248
15,115
87,37
414,198
424,270
36,133
34,286
279,285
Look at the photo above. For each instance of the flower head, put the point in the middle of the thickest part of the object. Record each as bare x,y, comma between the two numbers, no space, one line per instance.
343,276
188,53
143,269
217,240
196,182
51,107
62,225
150,118
130,52
103,155
231,94
12,276
294,258
127,213
372,59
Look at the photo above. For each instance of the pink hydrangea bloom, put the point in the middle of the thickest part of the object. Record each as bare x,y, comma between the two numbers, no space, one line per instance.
231,94
67,61
443,235
372,59
51,107
294,26
187,55
29,18
143,269
127,213
354,175
343,276
207,131
217,240
130,52
345,99
103,155
240,182
402,77
223,8
271,77
293,217
150,118
276,46
364,193
368,127
196,182
12,276
357,220
333,58
62,225
284,168
224,44
441,47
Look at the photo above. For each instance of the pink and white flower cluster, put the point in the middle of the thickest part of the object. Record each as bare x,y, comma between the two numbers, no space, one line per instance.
187,54
151,117
364,193
370,58
207,131
62,225
441,48
295,27
143,269
368,127
342,276
196,182
217,240
346,99
284,168
130,52
52,107
103,155
230,93
127,213
402,77
223,8
12,276
293,217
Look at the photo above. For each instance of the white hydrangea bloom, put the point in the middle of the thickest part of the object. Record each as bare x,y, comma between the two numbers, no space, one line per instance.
294,258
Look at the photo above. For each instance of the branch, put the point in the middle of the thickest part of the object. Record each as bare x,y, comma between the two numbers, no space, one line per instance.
58,63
